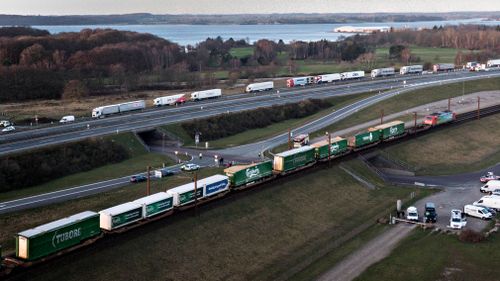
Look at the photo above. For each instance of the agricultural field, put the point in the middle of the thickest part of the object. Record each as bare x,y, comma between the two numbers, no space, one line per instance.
261,234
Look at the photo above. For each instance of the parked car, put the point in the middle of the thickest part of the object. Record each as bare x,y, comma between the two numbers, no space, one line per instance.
490,186
488,177
8,129
477,211
492,211
5,123
138,178
412,213
457,219
190,167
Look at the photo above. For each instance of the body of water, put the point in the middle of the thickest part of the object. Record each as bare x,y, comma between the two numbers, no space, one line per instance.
192,34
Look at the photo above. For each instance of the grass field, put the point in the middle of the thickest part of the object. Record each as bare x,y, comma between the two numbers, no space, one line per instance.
468,147
426,256
257,235
138,162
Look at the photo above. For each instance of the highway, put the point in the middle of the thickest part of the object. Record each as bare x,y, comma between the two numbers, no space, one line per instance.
151,118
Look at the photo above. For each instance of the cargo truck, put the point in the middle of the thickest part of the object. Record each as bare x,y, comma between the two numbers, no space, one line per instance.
493,63
55,236
439,118
104,111
338,147
293,159
243,175
443,67
352,75
430,214
390,130
364,139
207,94
206,187
170,100
259,87
411,69
299,81
120,216
155,204
380,72
327,78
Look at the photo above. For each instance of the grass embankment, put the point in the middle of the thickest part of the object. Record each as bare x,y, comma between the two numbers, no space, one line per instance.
468,147
138,161
257,235
426,256
254,135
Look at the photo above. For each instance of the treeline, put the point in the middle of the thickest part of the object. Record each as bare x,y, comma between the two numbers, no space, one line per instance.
225,125
40,166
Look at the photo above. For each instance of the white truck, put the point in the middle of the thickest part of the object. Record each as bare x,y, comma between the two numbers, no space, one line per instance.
412,213
259,87
477,211
352,75
380,72
170,100
490,186
207,94
411,69
493,63
67,119
490,201
106,110
327,78
443,67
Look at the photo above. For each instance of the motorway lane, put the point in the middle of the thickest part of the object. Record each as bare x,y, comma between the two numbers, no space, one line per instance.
149,119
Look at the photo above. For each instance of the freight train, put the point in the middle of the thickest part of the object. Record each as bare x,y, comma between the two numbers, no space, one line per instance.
64,235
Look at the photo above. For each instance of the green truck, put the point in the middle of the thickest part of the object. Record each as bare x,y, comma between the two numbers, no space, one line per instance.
55,236
244,174
293,159
390,130
363,139
338,146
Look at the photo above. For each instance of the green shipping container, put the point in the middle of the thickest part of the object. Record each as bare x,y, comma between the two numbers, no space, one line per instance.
53,237
127,217
364,139
188,196
159,207
241,175
390,130
339,146
293,159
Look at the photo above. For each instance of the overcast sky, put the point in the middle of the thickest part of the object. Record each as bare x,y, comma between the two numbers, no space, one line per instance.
71,7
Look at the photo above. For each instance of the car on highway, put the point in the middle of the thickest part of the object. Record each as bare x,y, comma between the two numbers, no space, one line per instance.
8,129
5,123
138,178
457,219
190,167
488,177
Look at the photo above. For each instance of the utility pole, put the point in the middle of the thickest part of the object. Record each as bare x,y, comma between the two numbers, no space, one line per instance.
382,116
478,107
195,178
148,184
289,139
329,147
415,122
449,104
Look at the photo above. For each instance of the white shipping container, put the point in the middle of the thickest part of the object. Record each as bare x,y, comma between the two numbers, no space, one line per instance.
133,105
493,63
220,182
207,94
327,78
168,100
151,203
411,69
352,75
121,215
443,67
382,72
257,87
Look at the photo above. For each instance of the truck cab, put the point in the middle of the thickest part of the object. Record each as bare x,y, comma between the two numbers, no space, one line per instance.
430,214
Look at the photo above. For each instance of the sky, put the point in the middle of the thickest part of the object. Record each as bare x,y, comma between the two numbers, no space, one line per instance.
72,7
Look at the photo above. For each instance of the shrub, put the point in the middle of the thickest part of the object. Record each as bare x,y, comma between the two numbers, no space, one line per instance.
471,236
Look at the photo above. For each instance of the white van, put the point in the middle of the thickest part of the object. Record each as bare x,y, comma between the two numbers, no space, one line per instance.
492,202
457,220
412,213
490,186
477,211
67,119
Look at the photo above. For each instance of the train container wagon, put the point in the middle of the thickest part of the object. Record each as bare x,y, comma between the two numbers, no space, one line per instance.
121,215
245,174
439,118
299,81
379,72
103,111
440,67
55,236
352,75
207,94
411,69
338,146
259,87
206,187
390,130
364,139
170,100
293,159
155,204
327,78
